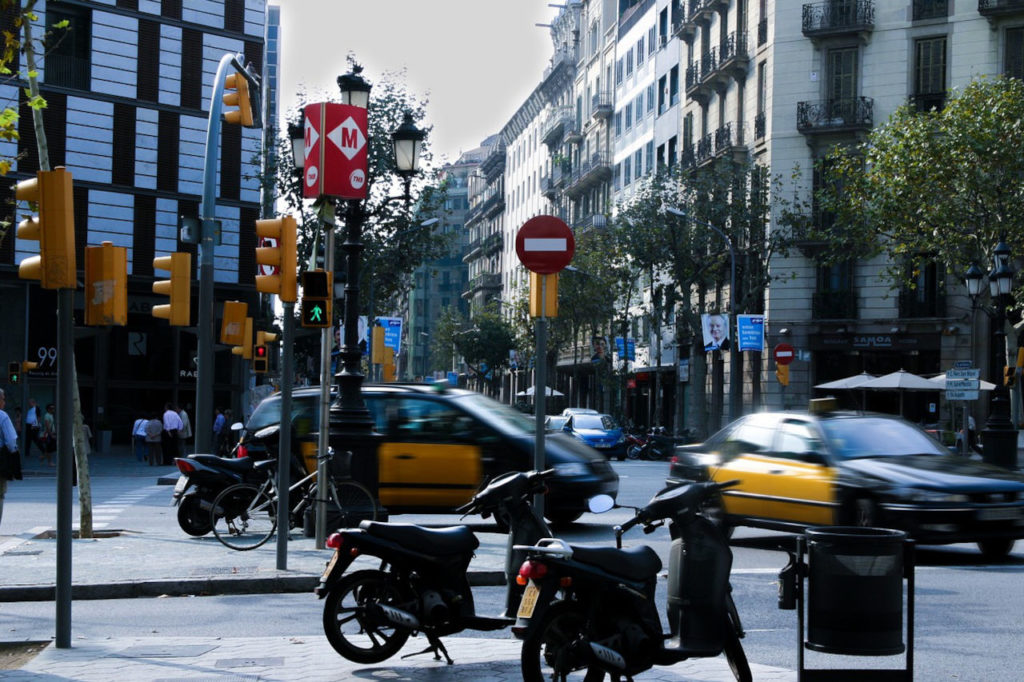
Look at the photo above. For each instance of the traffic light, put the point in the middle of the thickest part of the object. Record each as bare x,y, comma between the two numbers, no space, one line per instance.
260,352
548,284
178,287
236,94
316,299
1009,374
377,347
14,372
245,347
232,326
282,257
54,228
27,367
106,285
782,374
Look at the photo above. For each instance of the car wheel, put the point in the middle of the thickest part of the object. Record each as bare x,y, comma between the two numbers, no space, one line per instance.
562,517
995,550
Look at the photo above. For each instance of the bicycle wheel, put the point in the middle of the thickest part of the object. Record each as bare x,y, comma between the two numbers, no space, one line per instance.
351,502
243,517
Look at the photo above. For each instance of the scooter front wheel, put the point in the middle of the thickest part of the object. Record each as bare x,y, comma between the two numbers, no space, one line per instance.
733,648
557,650
354,627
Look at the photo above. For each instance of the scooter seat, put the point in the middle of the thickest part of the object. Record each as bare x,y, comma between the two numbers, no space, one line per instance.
433,541
240,465
635,563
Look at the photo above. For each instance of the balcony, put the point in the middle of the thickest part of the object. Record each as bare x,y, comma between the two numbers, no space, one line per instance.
493,242
698,76
472,251
493,165
685,27
705,149
590,221
589,173
729,141
554,126
839,18
733,59
493,205
602,105
834,305
851,114
704,11
993,9
918,303
924,102
488,280
573,131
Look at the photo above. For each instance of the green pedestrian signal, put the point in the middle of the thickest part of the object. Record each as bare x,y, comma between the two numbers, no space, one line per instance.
316,299
14,372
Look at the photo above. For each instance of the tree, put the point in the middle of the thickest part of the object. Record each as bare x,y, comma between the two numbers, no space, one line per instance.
944,185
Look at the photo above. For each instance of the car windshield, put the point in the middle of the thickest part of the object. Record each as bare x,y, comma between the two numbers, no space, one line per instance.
877,437
599,422
268,413
499,416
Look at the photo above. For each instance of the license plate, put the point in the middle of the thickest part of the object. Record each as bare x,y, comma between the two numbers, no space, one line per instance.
330,567
179,487
999,514
529,602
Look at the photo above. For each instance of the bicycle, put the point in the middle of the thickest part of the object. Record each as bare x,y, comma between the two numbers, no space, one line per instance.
244,515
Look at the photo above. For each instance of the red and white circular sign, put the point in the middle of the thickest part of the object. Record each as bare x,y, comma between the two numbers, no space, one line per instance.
783,354
545,244
268,242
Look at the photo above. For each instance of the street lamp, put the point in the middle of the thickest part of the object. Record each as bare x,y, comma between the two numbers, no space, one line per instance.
1000,436
735,386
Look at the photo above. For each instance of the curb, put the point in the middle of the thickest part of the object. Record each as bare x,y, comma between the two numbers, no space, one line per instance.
285,584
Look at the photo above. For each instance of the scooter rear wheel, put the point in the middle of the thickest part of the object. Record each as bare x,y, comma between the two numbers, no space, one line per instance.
557,650
192,518
352,625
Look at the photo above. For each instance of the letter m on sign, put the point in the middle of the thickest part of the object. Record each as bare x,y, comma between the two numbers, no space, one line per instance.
345,151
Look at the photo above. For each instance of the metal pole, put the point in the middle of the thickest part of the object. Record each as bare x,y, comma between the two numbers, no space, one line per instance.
207,217
284,451
65,461
326,344
540,390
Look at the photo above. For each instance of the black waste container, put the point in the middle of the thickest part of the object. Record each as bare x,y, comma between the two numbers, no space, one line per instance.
855,590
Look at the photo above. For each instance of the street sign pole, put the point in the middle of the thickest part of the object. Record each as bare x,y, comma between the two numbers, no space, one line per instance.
540,391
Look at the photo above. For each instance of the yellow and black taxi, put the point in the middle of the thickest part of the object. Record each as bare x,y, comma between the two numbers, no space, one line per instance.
435,445
823,467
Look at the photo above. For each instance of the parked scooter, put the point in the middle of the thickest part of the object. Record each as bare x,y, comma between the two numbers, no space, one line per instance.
591,610
635,442
421,584
203,477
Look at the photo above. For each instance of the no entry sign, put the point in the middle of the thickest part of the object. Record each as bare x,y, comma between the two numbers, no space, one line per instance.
783,354
545,244
335,151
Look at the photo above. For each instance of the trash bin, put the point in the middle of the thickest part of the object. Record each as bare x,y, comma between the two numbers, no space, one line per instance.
855,590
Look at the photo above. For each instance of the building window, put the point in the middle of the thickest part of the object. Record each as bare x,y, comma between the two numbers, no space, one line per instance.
638,161
673,86
842,74
639,104
640,53
618,72
650,97
671,152
930,9
618,123
1013,55
629,64
627,166
629,116
662,94
67,63
651,42
926,297
930,73
834,298
650,157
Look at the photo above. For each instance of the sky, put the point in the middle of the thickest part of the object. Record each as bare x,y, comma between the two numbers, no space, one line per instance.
475,61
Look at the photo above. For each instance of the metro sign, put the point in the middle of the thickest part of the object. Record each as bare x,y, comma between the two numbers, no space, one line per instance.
335,160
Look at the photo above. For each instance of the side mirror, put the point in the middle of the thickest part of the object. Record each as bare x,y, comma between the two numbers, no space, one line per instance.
599,504
237,426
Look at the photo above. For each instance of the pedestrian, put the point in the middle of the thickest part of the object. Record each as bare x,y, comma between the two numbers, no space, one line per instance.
225,433
10,459
139,438
186,431
218,428
48,434
972,434
32,424
154,436
172,426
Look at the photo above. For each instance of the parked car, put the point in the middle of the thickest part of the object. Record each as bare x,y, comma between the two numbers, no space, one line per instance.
821,468
599,431
555,422
438,444
569,411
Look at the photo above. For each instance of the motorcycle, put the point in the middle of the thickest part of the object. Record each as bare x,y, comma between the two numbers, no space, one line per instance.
635,442
659,447
591,610
421,583
203,477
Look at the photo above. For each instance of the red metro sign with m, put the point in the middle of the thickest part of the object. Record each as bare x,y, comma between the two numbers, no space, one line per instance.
335,151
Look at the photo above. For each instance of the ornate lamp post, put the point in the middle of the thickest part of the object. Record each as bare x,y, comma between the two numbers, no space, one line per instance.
1000,436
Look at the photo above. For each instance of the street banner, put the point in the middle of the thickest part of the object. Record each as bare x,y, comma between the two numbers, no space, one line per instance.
750,331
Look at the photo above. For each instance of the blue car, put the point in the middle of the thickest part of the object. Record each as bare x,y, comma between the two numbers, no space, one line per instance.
599,431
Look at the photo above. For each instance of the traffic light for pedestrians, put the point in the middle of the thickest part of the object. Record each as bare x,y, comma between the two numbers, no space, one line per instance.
106,285
281,257
236,94
245,347
179,288
316,299
53,228
14,373
260,352
782,374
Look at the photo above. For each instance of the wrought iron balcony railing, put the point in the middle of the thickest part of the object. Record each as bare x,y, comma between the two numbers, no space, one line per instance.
835,115
838,17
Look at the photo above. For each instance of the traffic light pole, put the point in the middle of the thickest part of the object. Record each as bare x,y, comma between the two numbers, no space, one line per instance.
207,216
65,461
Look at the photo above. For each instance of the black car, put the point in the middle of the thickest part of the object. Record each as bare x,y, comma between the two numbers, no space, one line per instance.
438,444
800,469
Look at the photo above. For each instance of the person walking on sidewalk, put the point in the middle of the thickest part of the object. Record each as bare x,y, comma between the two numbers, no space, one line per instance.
32,424
48,435
139,438
186,431
172,427
154,436
218,431
10,459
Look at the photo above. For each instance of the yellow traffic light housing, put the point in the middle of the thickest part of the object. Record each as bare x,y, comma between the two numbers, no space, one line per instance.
236,94
179,288
54,228
232,326
782,374
1009,374
13,373
27,367
245,347
548,284
282,257
260,359
106,285
316,299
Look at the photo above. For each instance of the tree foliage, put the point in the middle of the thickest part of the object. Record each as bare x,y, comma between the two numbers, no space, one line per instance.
943,185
